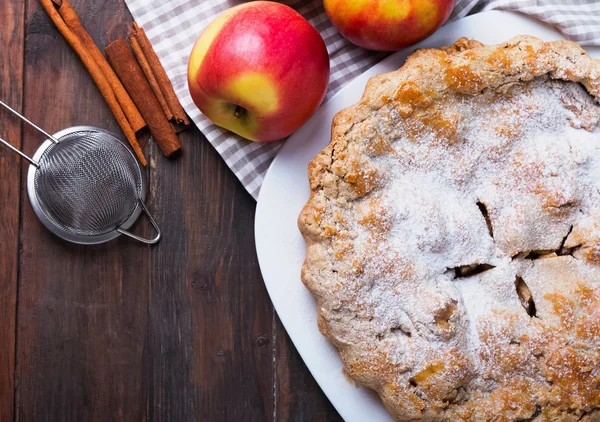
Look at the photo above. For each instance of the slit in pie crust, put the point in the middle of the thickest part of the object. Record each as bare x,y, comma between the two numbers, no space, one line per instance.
453,234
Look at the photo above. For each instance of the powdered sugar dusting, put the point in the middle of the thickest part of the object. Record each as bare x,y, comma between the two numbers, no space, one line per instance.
453,239
525,157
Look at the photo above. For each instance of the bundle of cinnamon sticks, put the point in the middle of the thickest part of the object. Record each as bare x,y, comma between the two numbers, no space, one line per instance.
137,91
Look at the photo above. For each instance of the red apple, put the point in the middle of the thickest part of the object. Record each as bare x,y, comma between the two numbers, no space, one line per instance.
260,70
387,25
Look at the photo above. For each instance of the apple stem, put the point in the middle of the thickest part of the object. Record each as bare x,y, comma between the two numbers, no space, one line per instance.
238,112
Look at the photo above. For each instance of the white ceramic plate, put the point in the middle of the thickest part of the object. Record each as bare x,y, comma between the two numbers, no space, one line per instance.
280,246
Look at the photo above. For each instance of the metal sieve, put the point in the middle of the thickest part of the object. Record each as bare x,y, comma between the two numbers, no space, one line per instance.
85,185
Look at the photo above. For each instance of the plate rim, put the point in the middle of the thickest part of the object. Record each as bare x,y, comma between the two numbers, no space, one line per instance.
537,26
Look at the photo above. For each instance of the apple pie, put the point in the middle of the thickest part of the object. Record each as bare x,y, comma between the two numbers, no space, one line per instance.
453,234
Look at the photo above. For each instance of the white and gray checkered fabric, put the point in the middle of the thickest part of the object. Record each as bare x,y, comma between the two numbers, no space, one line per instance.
173,26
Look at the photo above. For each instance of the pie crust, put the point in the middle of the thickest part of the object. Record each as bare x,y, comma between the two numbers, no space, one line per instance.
453,234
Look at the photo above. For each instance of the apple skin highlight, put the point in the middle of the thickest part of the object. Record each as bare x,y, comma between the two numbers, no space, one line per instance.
387,25
259,70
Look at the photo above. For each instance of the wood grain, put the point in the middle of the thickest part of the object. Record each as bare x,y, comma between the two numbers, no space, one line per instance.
209,311
82,310
11,85
299,397
183,331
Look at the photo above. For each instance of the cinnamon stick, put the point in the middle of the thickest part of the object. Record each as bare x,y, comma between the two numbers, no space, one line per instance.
134,117
160,75
135,82
96,74
139,55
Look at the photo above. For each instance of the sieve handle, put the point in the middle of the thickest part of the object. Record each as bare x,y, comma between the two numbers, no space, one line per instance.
18,151
141,239
39,129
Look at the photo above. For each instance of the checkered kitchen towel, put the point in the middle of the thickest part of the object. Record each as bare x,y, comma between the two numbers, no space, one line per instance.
173,26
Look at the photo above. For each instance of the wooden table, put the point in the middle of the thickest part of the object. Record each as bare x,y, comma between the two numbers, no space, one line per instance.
183,331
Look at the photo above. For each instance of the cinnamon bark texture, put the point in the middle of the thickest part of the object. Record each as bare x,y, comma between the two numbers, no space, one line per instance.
134,80
164,84
72,20
147,69
96,73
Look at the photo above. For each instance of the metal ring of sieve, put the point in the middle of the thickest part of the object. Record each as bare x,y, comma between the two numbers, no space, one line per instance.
88,188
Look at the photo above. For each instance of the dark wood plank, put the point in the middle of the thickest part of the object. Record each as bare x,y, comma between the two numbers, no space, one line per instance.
12,25
211,318
183,331
298,396
82,315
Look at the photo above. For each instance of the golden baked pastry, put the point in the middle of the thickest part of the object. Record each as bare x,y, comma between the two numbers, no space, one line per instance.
453,234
